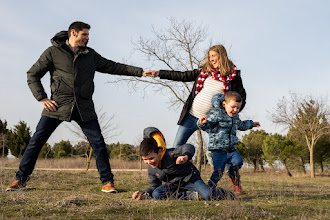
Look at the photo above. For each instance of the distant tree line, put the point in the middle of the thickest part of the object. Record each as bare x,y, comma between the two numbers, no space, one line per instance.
16,140
259,147
307,139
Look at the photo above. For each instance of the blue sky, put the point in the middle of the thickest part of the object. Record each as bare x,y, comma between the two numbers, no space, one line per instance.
280,46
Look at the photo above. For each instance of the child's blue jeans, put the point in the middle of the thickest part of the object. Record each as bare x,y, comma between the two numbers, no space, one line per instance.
168,190
233,160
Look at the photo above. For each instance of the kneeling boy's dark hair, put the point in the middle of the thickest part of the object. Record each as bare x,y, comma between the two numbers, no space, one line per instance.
147,146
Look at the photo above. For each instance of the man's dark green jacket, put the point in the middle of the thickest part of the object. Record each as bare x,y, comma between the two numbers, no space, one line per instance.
72,77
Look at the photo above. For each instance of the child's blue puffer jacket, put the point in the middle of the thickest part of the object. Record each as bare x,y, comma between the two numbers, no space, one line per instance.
222,128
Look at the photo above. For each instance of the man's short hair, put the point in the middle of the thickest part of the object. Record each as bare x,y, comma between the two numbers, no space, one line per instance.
78,26
147,146
233,96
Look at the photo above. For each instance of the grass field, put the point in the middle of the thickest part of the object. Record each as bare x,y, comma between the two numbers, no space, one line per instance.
63,194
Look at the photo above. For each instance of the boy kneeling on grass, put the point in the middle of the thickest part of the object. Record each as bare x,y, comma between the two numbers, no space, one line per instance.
173,167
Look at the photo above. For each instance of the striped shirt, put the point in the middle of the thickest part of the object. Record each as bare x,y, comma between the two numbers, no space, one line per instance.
202,103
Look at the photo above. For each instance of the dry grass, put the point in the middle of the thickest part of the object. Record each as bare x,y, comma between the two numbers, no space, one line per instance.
72,163
77,195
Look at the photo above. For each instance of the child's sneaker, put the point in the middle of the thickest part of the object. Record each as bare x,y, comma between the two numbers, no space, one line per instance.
109,188
236,183
238,190
16,186
192,195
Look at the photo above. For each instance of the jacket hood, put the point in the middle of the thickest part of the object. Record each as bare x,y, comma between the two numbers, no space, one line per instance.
152,132
59,38
217,100
149,132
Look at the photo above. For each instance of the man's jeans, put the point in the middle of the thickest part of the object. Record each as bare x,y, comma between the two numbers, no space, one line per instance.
46,127
169,190
185,130
233,160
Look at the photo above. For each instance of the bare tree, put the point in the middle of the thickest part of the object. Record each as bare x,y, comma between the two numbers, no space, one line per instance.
4,142
178,48
108,127
308,115
4,138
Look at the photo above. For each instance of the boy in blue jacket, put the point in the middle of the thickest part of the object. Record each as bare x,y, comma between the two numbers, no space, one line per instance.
221,125
173,167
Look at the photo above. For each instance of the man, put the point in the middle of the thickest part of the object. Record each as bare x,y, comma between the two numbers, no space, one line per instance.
72,66
173,167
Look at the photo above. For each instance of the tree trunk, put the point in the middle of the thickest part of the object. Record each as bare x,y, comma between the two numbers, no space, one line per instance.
311,163
140,163
321,165
286,167
119,151
3,138
262,165
199,151
303,164
89,158
255,165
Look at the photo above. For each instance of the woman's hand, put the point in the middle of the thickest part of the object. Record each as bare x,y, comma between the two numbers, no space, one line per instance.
152,73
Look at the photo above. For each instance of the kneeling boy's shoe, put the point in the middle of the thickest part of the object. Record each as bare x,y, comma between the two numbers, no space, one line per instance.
231,196
109,188
192,195
16,186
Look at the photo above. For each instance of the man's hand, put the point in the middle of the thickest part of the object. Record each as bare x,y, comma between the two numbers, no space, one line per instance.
49,105
152,73
138,196
182,159
203,120
256,124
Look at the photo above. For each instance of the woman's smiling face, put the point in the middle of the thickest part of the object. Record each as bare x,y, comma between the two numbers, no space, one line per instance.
214,59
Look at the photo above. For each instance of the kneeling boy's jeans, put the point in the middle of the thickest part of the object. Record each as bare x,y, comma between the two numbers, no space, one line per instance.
169,190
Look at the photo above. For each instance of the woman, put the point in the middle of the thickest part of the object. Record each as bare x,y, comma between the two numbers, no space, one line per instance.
217,75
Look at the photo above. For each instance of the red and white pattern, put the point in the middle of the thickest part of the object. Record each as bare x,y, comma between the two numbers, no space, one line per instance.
216,76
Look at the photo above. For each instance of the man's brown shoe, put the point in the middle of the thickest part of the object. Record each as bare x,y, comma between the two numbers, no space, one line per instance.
109,188
17,185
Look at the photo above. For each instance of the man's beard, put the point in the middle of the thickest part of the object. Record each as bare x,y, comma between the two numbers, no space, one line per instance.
83,44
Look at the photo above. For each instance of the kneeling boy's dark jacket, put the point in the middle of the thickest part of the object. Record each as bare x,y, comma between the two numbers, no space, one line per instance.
171,172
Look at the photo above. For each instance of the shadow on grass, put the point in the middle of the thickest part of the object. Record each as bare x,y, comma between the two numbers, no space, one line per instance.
265,194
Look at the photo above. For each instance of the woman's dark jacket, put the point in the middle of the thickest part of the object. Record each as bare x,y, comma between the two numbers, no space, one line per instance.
189,76
72,77
170,172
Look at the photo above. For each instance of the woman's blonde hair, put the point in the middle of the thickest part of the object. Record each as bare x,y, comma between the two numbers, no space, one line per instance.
226,66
